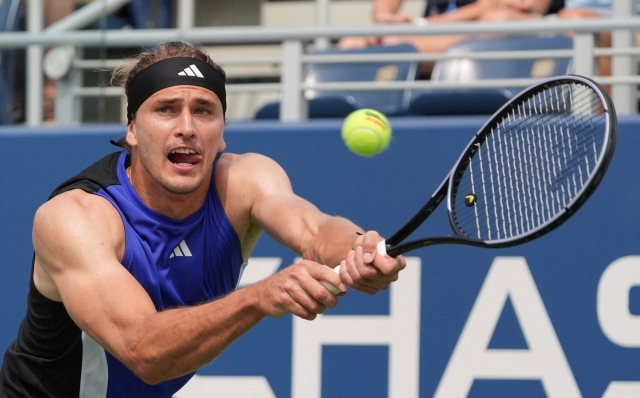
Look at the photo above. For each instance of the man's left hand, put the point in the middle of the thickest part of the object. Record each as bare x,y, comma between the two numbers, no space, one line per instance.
365,269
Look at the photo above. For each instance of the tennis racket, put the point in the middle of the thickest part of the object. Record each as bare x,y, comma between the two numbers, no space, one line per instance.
526,171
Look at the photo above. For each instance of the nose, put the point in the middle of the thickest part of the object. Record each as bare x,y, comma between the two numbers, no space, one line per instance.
186,127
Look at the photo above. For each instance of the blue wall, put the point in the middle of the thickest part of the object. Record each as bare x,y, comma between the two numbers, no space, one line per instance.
378,193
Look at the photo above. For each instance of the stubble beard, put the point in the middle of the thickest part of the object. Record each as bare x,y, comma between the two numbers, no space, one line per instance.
179,190
165,183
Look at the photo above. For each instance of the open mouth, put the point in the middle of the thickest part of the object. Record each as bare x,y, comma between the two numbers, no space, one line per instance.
184,157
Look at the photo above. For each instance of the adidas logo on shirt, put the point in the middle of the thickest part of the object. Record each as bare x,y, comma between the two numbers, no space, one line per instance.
191,71
182,250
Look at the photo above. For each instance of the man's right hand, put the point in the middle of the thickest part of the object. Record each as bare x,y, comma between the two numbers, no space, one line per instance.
297,290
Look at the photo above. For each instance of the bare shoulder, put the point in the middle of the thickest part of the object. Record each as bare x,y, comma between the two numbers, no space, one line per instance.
252,173
73,220
243,182
252,165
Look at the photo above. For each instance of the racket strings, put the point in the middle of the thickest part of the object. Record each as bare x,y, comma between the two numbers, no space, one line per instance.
532,164
546,172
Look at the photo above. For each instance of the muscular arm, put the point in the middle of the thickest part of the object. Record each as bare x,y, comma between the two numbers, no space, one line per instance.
78,239
272,206
299,225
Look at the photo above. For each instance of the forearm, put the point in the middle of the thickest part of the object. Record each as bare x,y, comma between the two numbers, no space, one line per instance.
469,12
179,341
332,241
385,7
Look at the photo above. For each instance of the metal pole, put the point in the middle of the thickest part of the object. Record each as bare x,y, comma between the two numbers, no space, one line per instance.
293,106
34,75
622,65
259,34
68,108
583,62
322,20
186,14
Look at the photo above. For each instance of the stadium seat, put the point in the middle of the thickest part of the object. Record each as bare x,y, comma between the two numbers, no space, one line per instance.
10,13
328,104
487,101
323,107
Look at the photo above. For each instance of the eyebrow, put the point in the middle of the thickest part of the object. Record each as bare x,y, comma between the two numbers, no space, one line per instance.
203,101
200,101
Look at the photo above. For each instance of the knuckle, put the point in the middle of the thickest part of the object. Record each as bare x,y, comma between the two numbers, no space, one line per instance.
288,288
314,308
321,295
387,270
320,309
286,301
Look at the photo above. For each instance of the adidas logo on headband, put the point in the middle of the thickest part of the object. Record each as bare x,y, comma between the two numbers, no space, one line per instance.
191,71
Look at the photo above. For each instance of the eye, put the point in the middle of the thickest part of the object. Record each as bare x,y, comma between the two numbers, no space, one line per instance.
163,109
202,111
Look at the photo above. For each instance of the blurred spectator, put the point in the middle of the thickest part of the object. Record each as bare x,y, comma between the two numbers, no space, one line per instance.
575,9
10,17
442,11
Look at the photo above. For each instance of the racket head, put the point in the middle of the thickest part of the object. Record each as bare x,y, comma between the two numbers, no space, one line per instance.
533,164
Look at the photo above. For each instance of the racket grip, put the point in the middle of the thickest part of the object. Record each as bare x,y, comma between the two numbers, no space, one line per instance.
382,247
329,286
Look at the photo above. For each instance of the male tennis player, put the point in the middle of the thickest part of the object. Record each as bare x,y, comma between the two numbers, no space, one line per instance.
137,258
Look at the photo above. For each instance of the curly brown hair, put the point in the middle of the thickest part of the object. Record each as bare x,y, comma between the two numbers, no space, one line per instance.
126,72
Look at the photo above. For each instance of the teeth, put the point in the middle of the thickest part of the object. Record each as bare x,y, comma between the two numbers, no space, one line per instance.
183,150
183,164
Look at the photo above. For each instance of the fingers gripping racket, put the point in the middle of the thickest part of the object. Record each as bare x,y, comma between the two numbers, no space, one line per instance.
526,171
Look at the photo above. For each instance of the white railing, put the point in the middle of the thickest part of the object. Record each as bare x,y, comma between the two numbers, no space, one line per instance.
292,86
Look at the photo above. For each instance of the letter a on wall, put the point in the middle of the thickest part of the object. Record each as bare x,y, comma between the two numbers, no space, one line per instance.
544,360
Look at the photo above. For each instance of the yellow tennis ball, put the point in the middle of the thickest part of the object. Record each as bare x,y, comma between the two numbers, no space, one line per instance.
366,132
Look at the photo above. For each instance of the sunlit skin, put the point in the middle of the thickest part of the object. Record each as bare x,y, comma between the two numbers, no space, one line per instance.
181,117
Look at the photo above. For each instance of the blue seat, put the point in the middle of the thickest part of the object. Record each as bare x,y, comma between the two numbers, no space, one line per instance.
327,104
10,14
487,101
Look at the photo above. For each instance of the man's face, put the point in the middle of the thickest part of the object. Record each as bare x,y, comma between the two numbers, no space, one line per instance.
175,136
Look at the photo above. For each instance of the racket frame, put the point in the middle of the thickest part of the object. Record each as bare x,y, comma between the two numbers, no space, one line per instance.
392,245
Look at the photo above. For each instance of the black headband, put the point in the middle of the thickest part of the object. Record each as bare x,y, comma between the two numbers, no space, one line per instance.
170,72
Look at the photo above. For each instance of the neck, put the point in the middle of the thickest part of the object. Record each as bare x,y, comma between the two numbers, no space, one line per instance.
159,199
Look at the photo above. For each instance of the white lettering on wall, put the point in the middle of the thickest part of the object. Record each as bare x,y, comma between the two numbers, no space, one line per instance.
617,323
400,330
622,389
544,359
259,268
226,387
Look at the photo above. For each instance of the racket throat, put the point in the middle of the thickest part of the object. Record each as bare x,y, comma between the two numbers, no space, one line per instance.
437,240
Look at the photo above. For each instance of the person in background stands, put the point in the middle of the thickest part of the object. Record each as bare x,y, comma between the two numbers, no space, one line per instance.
446,11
